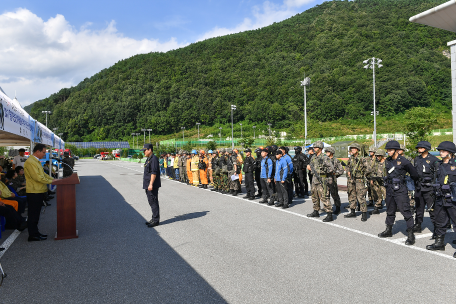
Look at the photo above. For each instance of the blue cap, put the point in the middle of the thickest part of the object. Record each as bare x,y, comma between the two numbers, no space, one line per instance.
210,151
194,151
147,147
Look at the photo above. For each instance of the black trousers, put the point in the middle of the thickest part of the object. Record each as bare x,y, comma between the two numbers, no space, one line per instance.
289,183
299,182
398,200
35,202
282,192
443,212
152,197
21,201
12,217
258,181
267,189
249,185
423,199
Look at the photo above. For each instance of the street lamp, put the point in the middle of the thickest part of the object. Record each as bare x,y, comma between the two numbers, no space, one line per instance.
46,112
198,124
150,130
220,133
233,107
241,129
269,124
254,131
133,134
144,130
183,136
370,64
137,139
305,83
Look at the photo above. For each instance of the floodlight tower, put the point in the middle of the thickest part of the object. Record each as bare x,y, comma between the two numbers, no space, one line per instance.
241,129
305,83
254,127
198,124
233,107
370,64
150,130
46,112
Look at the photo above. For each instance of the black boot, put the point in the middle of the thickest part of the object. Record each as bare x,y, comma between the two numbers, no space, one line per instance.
417,228
351,214
439,243
364,217
370,204
375,211
246,197
433,235
337,211
329,217
314,214
271,202
251,198
411,238
259,195
387,233
263,201
235,193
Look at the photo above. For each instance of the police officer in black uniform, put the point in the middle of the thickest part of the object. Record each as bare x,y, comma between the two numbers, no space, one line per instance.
151,183
249,165
258,171
396,192
425,165
445,192
300,162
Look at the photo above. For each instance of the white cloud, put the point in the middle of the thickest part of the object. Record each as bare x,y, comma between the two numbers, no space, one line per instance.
40,57
263,15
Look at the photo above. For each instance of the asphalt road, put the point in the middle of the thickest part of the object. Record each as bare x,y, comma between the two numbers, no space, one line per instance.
214,248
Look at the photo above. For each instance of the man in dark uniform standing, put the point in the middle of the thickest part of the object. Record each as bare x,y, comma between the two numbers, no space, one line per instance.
249,164
396,167
68,164
151,183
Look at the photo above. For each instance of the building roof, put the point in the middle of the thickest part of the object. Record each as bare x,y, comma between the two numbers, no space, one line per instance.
442,16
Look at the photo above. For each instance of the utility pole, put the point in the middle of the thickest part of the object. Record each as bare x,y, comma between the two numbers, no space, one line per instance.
144,130
269,124
198,124
254,127
46,112
233,107
305,83
150,130
133,134
220,133
241,129
371,65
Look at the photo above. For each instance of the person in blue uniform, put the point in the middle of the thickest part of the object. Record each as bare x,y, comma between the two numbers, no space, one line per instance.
266,178
396,166
151,183
425,165
280,179
445,194
289,178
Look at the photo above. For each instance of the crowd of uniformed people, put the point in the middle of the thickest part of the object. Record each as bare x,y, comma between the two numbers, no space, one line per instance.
405,185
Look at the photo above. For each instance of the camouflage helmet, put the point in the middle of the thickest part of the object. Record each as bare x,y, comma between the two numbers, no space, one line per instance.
222,150
330,150
229,150
402,147
356,146
180,151
318,144
373,149
380,152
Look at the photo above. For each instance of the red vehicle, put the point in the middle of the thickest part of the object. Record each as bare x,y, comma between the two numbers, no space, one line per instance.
104,155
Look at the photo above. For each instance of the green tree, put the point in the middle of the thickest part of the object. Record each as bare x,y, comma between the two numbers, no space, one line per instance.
211,145
124,153
140,156
246,142
418,125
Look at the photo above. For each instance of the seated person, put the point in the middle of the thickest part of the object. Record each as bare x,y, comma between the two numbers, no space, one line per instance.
20,175
13,181
5,193
46,169
13,219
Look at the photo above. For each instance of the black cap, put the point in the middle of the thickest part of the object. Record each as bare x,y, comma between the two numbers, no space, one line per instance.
247,150
147,147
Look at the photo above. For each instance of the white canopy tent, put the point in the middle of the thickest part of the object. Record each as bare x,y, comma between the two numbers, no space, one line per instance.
444,17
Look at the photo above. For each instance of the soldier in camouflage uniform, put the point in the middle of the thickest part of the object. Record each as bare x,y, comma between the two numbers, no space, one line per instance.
215,171
376,175
371,159
331,180
357,168
321,166
223,164
408,180
234,185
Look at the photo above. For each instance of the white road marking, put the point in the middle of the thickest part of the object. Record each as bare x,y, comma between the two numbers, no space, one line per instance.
7,243
397,241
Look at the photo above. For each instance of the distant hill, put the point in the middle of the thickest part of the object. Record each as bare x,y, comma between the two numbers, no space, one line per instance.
259,71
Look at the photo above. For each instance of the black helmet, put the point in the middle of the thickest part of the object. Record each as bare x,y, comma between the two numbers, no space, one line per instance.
393,145
447,146
257,150
298,149
274,147
423,144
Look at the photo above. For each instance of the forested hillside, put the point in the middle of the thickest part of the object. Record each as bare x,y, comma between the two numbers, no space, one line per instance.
260,71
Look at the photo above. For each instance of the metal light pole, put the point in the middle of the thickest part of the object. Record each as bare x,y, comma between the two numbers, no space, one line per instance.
144,130
150,130
370,64
305,83
133,134
254,131
198,124
46,112
233,107
183,136
137,139
269,124
220,133
241,129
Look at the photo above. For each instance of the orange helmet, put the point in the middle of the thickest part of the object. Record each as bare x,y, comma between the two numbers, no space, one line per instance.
202,151
236,150
261,147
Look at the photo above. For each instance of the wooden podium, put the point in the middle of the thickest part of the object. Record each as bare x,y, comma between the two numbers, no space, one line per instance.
66,207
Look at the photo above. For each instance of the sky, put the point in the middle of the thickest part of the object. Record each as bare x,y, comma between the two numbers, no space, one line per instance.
48,45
